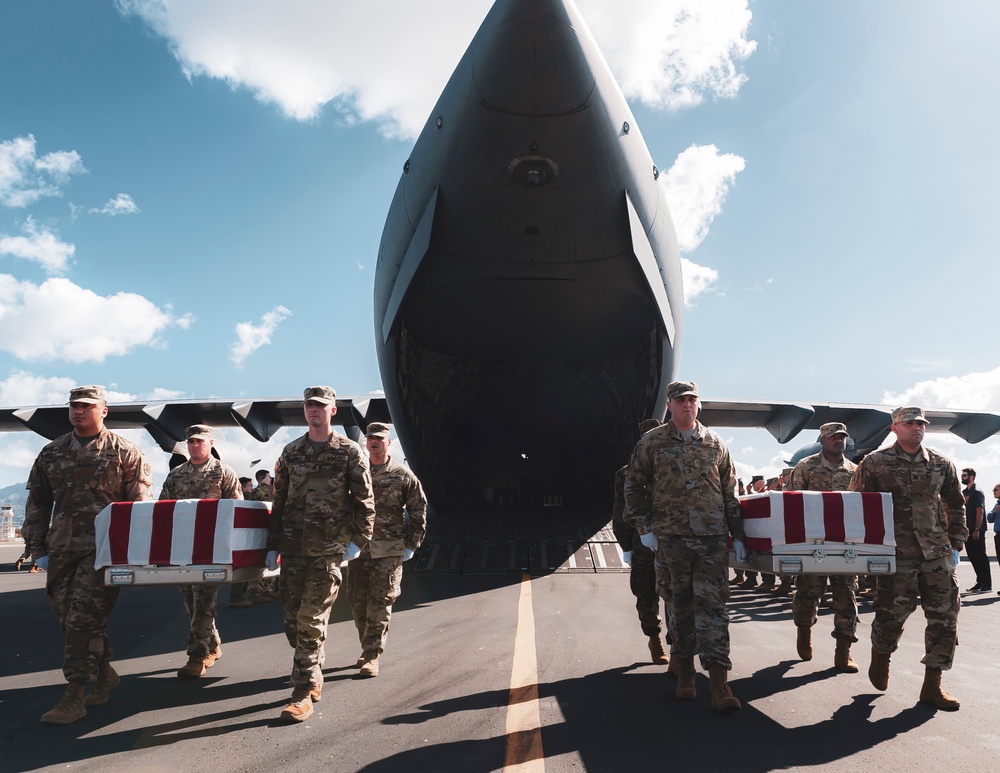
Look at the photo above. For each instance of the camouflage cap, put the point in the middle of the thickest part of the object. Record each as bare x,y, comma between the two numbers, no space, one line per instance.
832,428
320,394
787,471
677,389
202,431
647,424
911,413
378,429
92,393
756,478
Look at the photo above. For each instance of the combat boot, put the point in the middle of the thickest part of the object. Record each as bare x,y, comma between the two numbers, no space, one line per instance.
316,693
370,668
932,693
195,667
722,697
69,708
656,651
300,708
214,655
842,659
878,671
107,680
684,668
17,564
364,658
804,642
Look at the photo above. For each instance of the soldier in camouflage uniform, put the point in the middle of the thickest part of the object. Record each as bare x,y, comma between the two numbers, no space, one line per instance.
680,493
647,580
323,509
203,476
265,589
929,515
374,577
72,480
828,470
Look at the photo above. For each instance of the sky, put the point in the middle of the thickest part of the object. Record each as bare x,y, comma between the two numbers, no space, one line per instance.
192,194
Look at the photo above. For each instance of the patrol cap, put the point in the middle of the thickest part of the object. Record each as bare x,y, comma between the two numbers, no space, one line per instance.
92,393
647,424
832,428
911,413
677,389
787,471
202,431
320,394
756,478
378,429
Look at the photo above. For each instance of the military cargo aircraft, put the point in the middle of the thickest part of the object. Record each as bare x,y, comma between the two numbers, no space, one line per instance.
528,293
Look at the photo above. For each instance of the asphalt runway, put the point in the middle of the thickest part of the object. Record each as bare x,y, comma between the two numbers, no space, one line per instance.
585,698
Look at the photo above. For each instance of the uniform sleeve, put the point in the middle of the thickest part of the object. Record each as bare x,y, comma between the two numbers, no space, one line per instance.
953,504
278,503
136,477
638,498
359,482
863,480
416,507
798,480
166,490
231,488
37,510
727,479
621,530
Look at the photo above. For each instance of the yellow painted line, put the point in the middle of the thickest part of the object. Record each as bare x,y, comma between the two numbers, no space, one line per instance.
524,724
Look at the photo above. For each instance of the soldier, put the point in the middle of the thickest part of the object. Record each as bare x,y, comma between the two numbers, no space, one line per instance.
829,470
680,495
323,511
757,486
265,486
647,580
374,577
72,480
203,476
929,515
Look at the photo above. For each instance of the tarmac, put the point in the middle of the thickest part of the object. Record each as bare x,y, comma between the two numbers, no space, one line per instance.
542,670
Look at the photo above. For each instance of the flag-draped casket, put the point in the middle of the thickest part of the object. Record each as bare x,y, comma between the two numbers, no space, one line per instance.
177,542
818,532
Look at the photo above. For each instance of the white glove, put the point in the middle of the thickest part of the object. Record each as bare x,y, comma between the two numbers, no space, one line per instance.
271,560
627,558
956,557
42,562
650,541
740,550
353,551
407,554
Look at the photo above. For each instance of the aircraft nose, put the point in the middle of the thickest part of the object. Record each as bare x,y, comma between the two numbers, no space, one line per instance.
533,60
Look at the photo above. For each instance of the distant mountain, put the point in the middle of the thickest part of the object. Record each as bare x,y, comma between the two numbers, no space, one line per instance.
16,495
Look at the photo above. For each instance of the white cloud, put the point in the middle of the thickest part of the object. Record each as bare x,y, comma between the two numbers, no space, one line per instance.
972,391
303,55
21,388
696,187
250,337
122,204
38,244
60,320
25,178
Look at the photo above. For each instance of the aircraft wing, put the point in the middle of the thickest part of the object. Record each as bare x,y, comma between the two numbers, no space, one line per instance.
166,420
868,425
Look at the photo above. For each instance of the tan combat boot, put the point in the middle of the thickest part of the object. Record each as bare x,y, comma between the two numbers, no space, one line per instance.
804,642
107,680
842,659
69,708
878,671
300,708
316,693
722,697
370,668
214,655
932,693
195,667
684,668
656,651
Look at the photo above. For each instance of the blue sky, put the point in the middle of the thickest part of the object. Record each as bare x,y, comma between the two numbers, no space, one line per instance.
192,194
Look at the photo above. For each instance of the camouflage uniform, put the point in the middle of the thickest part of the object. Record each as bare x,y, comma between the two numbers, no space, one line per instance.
373,579
648,580
263,493
322,501
816,473
212,480
929,515
71,482
683,490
